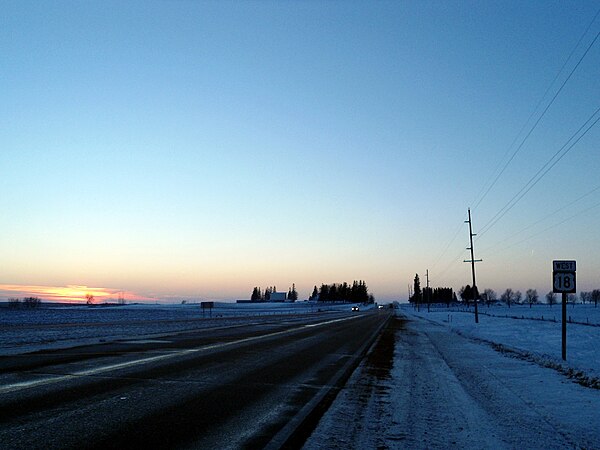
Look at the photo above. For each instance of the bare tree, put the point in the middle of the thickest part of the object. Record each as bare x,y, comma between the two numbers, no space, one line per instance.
531,296
507,297
14,303
585,297
89,299
551,298
31,302
517,297
596,296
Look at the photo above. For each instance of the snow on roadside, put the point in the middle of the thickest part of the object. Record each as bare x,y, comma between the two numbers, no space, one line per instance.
446,390
535,340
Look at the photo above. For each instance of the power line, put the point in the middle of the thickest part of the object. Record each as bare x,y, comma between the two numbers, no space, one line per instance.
553,226
452,262
449,244
455,260
562,208
543,170
529,185
547,106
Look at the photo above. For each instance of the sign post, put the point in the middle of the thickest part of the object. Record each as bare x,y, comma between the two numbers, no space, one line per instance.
207,305
564,282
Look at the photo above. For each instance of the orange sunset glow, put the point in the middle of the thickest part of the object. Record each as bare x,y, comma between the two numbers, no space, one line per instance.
67,294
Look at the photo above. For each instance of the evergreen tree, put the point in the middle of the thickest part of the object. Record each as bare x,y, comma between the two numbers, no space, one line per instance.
333,293
293,296
324,293
417,295
466,294
315,294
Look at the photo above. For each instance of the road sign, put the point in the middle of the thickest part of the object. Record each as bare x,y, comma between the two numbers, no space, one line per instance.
564,282
563,277
207,305
564,266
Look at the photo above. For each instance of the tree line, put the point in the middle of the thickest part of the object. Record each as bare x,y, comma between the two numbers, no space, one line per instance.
531,297
343,292
509,297
429,295
265,296
28,302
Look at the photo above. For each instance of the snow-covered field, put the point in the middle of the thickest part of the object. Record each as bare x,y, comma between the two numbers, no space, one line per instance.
26,330
533,333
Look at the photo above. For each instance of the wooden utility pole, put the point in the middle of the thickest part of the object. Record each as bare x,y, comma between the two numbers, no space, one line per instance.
428,296
473,261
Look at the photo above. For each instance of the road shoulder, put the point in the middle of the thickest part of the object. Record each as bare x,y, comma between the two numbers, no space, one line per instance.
446,391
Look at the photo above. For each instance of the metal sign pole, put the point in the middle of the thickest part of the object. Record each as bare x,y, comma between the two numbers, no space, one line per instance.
564,326
564,282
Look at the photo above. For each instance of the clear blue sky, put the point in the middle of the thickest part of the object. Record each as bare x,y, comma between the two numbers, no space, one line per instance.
198,149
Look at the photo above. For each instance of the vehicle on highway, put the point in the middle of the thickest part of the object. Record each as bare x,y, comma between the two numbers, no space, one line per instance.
355,308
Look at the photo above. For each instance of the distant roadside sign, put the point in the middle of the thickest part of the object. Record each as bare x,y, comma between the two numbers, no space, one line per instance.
563,277
207,305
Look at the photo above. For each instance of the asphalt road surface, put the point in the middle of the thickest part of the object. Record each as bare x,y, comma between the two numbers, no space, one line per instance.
236,387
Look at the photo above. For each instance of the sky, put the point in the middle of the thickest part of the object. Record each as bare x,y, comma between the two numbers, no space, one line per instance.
193,150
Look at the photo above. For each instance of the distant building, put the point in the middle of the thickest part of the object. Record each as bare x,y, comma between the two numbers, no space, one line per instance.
278,297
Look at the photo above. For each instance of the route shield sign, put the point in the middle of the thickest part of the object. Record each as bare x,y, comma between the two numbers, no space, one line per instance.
563,277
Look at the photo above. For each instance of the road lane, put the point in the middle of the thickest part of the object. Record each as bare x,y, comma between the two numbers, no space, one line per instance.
21,385
239,393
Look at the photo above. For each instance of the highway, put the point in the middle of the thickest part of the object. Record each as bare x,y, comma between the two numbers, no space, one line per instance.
260,385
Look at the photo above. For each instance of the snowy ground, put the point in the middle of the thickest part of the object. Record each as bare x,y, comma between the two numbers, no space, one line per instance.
520,329
448,385
23,330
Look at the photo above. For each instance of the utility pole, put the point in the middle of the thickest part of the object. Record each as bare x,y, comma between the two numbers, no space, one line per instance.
473,261
428,296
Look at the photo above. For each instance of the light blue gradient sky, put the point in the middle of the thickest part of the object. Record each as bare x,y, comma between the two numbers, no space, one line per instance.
198,149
